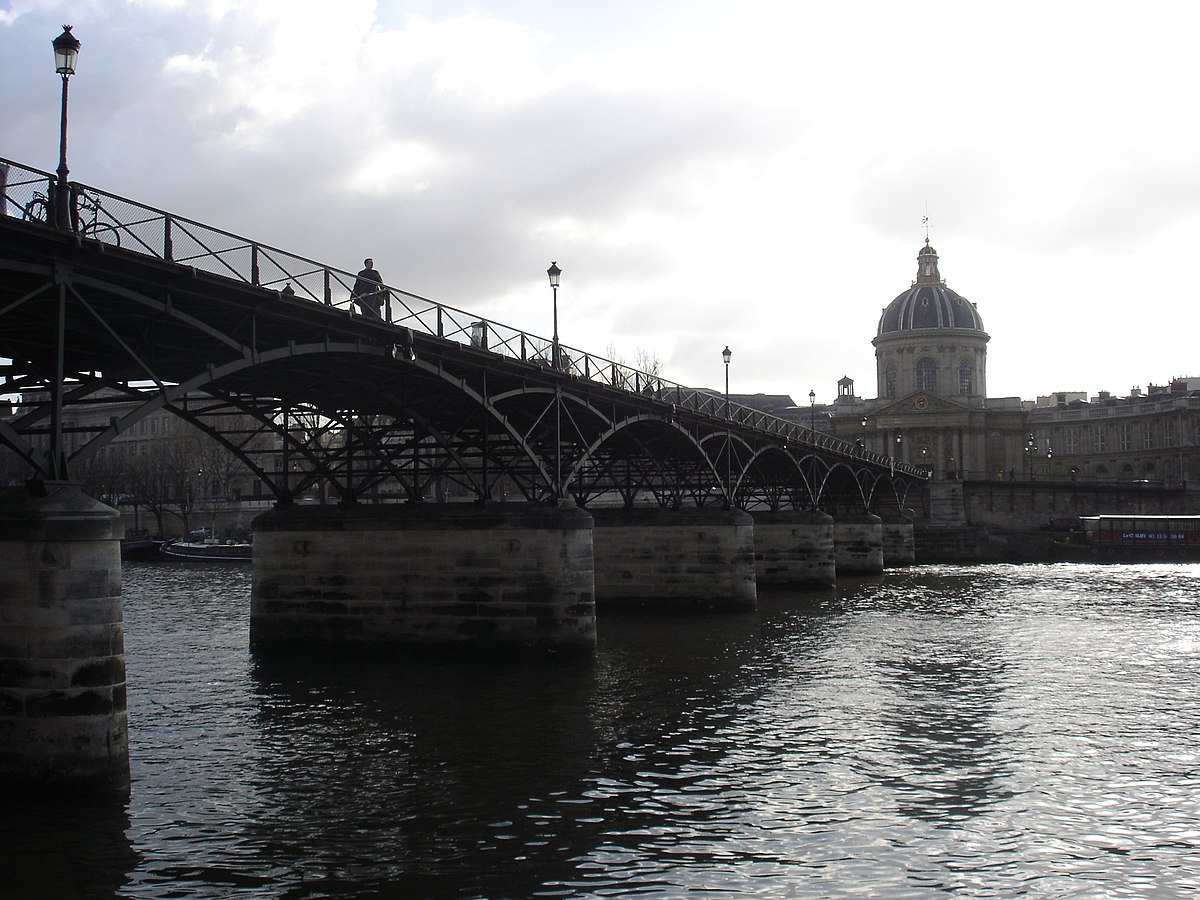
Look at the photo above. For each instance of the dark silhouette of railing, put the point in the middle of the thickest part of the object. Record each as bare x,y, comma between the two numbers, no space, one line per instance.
129,226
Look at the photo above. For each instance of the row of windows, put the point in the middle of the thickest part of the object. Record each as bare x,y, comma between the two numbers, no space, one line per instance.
1127,436
927,377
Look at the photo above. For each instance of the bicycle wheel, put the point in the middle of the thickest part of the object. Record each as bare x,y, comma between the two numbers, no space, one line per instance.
37,210
98,231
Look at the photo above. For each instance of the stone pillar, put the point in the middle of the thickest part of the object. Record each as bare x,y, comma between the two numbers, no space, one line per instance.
858,544
660,559
899,548
794,548
63,720
506,576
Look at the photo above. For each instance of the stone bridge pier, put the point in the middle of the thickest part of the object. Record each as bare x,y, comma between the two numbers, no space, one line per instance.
504,577
63,721
661,559
794,548
858,543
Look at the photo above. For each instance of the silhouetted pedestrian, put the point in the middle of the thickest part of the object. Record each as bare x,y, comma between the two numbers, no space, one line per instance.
368,290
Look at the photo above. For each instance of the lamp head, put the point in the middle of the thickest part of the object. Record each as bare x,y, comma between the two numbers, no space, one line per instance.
725,354
553,272
812,396
66,51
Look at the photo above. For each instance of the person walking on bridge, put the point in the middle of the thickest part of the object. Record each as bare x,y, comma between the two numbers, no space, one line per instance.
368,291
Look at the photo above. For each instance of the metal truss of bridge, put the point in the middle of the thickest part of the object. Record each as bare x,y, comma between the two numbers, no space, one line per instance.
136,303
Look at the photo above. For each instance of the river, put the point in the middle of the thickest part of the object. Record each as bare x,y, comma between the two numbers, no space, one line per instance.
978,731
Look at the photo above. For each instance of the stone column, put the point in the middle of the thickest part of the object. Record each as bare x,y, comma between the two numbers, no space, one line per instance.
506,576
858,544
659,559
63,720
794,548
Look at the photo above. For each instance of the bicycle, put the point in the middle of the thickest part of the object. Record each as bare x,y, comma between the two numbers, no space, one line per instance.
93,228
38,210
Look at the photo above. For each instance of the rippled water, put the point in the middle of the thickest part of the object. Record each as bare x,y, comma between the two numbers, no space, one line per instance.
977,731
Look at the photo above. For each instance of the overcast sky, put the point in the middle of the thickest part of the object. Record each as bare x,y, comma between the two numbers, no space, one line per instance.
705,173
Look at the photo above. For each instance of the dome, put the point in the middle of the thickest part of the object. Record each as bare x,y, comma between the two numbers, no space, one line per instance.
928,303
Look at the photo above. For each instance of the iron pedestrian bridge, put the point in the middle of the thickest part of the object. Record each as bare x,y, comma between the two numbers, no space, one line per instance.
263,351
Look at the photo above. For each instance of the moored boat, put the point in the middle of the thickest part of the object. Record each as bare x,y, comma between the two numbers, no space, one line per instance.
208,551
1133,539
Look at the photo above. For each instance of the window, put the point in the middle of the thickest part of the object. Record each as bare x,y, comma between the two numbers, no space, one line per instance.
889,381
965,376
1126,436
1098,439
1072,439
927,376
1147,436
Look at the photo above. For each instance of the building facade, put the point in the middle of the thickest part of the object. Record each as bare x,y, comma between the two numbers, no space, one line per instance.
932,407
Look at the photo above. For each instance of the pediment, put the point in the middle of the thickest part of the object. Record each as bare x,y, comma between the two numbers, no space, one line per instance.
920,402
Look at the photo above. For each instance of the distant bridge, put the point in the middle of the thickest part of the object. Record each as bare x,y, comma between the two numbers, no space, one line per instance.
140,304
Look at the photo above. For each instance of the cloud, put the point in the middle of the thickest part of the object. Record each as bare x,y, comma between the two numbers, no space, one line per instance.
705,172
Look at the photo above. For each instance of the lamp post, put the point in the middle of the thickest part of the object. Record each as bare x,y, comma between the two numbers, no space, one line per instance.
554,272
899,446
66,51
812,410
725,354
1030,450
864,437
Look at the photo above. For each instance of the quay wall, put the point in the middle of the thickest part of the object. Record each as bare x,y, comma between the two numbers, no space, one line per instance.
1024,504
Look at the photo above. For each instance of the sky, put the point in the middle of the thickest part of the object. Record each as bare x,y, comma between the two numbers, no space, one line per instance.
705,172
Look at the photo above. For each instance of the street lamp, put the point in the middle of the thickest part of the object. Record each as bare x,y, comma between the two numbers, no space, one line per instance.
725,354
899,445
1030,450
554,271
864,437
812,410
66,51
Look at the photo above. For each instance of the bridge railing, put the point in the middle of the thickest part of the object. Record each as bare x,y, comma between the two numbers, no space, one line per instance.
117,221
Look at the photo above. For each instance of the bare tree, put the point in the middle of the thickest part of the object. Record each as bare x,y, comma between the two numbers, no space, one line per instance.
166,477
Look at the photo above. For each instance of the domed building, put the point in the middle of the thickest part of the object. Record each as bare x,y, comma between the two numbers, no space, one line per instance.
932,410
931,339
932,407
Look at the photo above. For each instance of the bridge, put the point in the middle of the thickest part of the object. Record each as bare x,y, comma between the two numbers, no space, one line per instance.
141,303
592,482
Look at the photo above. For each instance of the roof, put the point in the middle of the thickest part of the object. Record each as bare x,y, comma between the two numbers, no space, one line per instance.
928,304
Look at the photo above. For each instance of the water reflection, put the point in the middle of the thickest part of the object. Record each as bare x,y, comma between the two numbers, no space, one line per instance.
56,849
946,676
425,774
